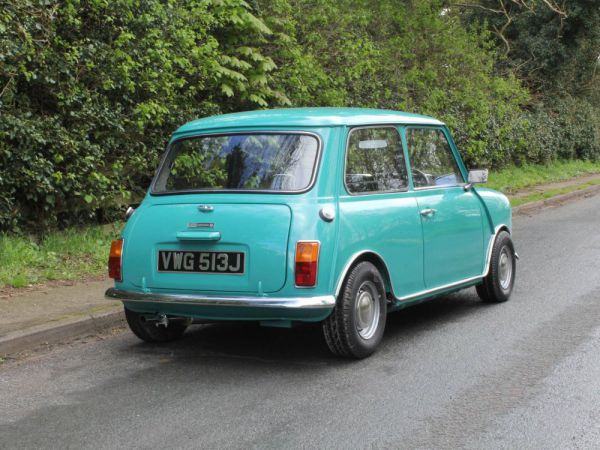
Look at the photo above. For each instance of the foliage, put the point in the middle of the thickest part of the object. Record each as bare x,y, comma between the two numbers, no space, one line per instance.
554,48
90,90
512,179
552,192
406,56
70,254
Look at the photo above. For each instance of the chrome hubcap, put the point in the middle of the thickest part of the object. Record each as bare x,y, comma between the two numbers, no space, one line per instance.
505,268
367,310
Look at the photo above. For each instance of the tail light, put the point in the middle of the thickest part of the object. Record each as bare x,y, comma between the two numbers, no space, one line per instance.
114,260
307,260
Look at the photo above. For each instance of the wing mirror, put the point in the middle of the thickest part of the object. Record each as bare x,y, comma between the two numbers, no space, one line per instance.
476,176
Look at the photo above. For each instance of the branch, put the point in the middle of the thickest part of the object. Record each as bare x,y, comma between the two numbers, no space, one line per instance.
554,7
504,8
475,5
6,85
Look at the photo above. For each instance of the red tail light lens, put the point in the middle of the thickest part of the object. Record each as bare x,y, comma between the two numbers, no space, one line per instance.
307,260
114,260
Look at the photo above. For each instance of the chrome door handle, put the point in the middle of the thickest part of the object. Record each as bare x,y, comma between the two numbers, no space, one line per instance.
428,212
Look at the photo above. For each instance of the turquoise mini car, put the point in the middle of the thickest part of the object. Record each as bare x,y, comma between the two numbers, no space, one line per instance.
330,215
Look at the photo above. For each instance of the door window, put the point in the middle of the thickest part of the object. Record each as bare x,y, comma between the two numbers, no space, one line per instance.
431,159
375,161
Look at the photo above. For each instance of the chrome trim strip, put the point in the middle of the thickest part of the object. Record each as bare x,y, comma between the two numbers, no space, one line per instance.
443,186
439,288
317,302
488,258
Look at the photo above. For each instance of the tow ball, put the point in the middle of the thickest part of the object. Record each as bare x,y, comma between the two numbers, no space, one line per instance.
159,320
162,320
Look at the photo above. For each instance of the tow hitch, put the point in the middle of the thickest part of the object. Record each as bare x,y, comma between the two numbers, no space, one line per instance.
162,320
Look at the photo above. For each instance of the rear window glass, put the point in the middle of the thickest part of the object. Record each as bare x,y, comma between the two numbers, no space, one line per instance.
262,162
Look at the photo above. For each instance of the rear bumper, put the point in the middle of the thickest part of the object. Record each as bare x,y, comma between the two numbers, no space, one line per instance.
322,301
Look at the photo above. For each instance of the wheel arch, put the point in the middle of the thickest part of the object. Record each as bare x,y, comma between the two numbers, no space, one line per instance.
502,227
488,257
368,256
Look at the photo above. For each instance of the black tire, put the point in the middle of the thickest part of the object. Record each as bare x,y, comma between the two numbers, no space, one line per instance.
149,332
342,329
498,284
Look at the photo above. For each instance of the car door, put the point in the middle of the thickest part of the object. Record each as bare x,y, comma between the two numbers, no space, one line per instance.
451,216
378,213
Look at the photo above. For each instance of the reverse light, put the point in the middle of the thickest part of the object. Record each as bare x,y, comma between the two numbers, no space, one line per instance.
114,260
307,260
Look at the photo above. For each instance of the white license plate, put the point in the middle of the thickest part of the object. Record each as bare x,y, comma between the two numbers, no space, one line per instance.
201,262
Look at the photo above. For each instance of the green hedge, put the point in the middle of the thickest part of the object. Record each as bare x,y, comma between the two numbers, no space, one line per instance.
90,90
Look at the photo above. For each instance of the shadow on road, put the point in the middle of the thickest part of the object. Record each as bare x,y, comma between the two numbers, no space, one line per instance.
304,344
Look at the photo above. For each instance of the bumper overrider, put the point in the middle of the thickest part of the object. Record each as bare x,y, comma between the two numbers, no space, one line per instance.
227,307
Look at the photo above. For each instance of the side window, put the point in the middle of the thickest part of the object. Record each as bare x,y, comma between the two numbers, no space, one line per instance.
431,159
375,161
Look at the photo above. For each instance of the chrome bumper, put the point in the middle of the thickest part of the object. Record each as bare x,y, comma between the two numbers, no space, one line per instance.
322,301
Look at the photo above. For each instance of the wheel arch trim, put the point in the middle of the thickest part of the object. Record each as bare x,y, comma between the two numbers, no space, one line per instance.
488,257
360,255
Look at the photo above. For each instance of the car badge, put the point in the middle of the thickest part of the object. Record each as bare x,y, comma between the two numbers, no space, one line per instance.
201,225
205,208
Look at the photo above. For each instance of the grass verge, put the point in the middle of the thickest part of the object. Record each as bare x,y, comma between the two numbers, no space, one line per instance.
72,254
549,193
513,179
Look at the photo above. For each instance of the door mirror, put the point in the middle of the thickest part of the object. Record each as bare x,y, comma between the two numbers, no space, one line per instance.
478,176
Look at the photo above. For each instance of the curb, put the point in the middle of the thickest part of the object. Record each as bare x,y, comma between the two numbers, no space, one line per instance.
56,333
557,200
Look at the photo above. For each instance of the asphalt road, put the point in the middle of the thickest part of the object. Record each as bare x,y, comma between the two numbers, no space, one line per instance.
451,373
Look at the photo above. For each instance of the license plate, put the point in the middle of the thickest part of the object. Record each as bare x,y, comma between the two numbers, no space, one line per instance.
201,262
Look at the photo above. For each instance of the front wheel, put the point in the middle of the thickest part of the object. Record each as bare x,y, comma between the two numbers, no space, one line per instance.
355,327
151,332
498,283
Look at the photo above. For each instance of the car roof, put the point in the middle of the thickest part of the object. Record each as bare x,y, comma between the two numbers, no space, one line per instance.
307,117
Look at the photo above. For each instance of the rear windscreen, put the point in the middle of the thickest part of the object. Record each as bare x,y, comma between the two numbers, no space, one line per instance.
262,162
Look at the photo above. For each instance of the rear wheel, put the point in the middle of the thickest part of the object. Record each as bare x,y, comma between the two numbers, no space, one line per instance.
498,284
355,327
151,331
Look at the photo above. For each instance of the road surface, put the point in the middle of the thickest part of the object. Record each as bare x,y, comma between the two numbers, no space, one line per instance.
451,373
